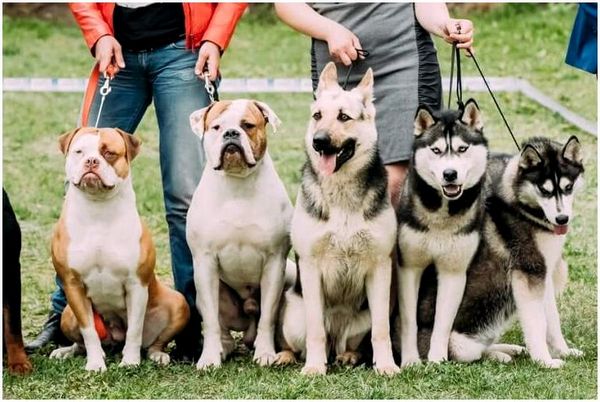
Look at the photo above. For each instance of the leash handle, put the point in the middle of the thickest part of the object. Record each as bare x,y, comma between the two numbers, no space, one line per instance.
495,101
361,52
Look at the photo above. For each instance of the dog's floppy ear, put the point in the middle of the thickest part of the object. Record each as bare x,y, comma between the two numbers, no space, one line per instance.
530,157
471,115
365,86
423,120
572,151
132,144
268,114
328,78
64,141
198,120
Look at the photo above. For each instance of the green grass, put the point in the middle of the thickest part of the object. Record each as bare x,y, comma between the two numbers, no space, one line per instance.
33,176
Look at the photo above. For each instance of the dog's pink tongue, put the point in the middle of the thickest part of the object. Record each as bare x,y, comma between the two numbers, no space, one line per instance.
561,229
327,164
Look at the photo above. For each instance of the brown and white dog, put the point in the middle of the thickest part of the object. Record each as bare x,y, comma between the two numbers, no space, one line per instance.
238,224
104,255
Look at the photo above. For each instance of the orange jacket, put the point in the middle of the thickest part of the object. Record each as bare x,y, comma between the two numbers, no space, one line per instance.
213,22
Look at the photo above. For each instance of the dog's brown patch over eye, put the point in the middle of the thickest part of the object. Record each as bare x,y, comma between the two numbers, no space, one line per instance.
113,150
213,112
254,124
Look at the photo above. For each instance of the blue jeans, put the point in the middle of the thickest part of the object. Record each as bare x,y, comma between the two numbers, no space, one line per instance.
165,76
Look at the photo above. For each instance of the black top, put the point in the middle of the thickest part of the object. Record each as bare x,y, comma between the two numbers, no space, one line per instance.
149,27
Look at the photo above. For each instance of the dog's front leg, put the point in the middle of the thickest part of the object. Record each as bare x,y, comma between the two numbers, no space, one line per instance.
82,309
378,293
136,297
450,289
529,298
555,338
316,337
206,279
409,280
271,288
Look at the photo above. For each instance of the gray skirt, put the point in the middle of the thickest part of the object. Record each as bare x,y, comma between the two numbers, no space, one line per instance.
404,62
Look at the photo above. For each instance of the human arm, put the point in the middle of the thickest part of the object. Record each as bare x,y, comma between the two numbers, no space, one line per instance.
342,42
434,17
217,36
98,36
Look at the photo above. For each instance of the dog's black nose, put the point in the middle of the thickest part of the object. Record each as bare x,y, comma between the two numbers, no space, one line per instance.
450,175
321,141
231,135
92,162
562,219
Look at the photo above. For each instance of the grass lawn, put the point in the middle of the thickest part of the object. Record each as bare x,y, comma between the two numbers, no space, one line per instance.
530,44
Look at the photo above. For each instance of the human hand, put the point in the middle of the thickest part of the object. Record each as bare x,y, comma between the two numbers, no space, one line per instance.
342,44
461,32
209,56
108,53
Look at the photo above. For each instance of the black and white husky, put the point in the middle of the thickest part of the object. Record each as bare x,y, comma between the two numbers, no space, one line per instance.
519,266
343,232
440,215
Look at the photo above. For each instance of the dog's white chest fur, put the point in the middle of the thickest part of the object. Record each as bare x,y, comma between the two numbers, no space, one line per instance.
240,222
550,246
346,247
104,246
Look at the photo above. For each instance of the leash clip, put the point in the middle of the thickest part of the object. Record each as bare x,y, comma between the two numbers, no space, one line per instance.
210,89
104,90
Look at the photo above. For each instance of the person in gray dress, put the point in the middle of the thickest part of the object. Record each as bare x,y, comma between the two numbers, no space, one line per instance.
401,53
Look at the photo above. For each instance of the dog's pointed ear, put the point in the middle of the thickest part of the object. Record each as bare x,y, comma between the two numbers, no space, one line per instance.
198,121
423,120
328,78
132,144
268,114
572,151
530,157
365,86
471,115
65,139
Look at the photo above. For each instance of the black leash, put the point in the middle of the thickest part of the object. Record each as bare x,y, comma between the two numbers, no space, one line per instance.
494,99
456,55
361,52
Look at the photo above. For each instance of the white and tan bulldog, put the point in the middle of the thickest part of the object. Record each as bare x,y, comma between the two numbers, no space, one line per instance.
104,255
238,223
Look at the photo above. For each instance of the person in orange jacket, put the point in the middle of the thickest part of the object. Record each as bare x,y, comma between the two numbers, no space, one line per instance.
155,52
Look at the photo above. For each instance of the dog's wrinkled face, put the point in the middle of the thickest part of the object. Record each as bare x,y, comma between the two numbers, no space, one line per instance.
548,177
450,151
234,134
97,160
342,125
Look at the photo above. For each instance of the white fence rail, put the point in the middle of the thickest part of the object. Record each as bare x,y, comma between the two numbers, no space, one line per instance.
304,85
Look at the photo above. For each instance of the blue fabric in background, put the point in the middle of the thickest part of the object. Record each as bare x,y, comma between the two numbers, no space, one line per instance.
583,46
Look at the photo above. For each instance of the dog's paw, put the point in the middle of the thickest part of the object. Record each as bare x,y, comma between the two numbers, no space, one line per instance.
570,352
552,363
20,367
159,357
410,361
387,369
264,359
284,358
207,362
95,365
130,359
64,352
434,357
320,369
348,358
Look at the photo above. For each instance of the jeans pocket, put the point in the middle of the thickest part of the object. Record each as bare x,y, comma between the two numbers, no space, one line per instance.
187,74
